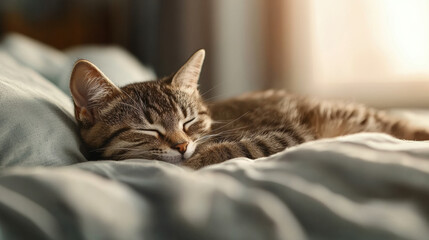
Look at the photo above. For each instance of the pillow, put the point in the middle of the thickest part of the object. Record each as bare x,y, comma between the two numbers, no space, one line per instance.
56,66
47,61
37,126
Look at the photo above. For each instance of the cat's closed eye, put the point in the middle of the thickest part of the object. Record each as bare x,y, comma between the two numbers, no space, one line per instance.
188,123
152,132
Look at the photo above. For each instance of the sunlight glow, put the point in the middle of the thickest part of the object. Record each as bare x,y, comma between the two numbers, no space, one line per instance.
370,40
407,24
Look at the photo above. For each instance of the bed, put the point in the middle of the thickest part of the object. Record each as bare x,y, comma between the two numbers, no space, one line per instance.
362,186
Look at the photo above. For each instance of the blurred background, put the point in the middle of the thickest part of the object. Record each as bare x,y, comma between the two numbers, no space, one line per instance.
371,51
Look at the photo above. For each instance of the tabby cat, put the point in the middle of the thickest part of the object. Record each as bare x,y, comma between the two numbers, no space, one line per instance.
168,120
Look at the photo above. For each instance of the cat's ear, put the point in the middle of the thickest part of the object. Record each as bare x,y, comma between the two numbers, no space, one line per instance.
89,88
187,76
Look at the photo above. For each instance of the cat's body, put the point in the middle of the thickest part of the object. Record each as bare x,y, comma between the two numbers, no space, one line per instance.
259,124
167,119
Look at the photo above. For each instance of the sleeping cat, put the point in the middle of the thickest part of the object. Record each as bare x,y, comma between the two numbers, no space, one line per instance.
168,120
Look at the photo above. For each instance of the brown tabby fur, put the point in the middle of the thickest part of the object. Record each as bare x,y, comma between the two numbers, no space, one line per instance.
148,119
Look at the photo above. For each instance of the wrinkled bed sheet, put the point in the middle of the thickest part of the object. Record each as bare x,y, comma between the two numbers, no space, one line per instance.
364,186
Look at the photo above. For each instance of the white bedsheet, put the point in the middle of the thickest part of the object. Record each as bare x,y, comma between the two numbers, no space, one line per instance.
364,186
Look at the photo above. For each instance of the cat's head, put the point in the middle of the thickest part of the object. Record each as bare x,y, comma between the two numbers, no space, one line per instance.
160,119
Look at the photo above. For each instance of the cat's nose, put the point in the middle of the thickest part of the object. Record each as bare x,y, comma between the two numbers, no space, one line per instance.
181,147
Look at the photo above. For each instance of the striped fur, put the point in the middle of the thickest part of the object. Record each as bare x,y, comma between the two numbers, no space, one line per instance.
168,120
263,123
145,121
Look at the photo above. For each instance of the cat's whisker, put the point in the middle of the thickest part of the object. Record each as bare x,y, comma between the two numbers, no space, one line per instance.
223,134
205,138
231,122
229,132
212,98
132,99
211,89
140,110
217,96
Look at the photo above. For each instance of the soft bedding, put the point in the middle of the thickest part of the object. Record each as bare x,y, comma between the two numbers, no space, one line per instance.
366,186
363,186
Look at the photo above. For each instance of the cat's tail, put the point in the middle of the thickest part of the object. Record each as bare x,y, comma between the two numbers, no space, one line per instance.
331,119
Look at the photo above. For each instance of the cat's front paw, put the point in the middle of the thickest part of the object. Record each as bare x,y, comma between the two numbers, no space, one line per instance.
194,162
207,156
203,159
